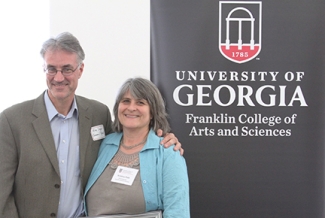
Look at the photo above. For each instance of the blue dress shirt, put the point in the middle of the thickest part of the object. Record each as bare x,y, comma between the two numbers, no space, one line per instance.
66,138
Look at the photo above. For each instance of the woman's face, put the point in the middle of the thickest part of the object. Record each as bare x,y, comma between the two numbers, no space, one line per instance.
134,113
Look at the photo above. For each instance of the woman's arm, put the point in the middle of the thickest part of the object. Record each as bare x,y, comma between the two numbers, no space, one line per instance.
175,184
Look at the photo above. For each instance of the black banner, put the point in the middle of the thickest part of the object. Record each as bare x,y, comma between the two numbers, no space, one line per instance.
244,86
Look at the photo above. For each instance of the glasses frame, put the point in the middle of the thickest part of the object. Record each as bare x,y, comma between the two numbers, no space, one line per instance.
62,72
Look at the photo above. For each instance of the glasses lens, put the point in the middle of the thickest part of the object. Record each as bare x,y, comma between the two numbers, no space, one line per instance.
67,71
51,71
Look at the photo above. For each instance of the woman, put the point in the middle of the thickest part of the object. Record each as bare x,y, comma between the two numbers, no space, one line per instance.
146,176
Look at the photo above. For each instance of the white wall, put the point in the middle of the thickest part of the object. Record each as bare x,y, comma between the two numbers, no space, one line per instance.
24,27
115,35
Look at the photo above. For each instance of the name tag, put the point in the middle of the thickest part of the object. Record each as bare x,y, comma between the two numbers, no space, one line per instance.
97,132
124,175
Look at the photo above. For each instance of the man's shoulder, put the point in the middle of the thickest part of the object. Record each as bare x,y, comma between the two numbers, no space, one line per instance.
89,102
22,106
19,112
94,108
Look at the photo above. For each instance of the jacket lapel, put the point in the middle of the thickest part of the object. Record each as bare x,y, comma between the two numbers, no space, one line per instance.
84,131
43,130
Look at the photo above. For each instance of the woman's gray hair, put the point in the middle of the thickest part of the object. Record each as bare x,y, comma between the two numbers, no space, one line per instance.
141,88
66,42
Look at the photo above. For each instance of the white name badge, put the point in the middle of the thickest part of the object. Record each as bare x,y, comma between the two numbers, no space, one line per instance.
124,175
97,132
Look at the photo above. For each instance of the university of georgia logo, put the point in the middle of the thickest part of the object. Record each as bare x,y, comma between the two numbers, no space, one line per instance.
240,27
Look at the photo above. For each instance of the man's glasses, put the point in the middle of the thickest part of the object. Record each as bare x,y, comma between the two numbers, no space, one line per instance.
66,71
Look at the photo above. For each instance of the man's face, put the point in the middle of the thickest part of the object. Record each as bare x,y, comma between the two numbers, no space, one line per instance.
62,88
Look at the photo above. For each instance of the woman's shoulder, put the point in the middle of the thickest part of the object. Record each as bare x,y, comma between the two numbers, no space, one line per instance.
112,135
112,138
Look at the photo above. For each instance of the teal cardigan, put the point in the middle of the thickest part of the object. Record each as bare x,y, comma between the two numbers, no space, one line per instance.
163,173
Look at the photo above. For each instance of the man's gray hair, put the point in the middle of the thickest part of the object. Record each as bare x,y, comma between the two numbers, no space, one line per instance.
66,42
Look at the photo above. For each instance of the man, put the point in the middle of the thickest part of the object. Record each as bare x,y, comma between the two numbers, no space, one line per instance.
49,145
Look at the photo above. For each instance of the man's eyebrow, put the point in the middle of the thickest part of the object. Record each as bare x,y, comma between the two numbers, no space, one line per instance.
49,65
64,66
67,65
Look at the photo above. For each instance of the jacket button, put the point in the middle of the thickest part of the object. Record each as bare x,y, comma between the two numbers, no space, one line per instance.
56,186
53,215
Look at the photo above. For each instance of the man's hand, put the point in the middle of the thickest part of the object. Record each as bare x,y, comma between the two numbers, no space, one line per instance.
170,139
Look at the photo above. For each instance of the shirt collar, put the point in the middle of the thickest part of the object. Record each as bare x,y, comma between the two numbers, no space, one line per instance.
51,110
